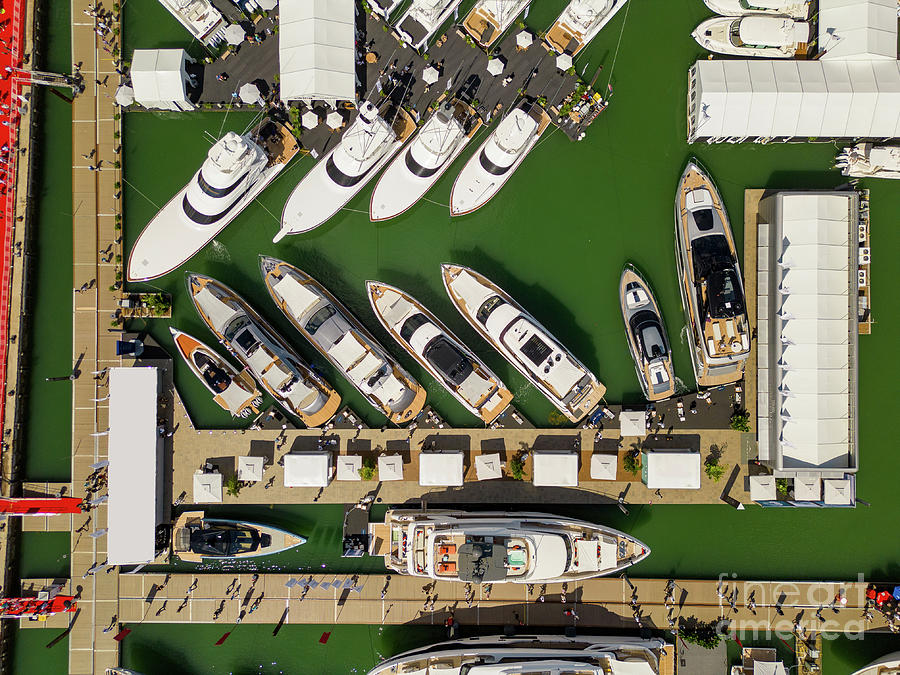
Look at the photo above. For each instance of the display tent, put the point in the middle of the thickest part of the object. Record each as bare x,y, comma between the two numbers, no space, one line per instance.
159,78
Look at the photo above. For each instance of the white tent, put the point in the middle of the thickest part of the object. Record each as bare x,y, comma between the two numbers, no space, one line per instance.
487,467
207,487
762,488
633,423
807,488
838,491
604,467
441,469
390,467
671,469
858,29
555,469
234,34
348,467
267,5
250,469
159,78
124,95
316,50
307,469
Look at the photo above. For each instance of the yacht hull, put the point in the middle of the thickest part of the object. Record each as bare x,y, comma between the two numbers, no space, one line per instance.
280,540
798,9
713,35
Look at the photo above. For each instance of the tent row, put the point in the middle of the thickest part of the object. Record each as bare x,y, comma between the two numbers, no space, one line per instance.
858,29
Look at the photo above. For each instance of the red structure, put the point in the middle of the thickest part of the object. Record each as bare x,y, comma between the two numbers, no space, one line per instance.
29,608
39,506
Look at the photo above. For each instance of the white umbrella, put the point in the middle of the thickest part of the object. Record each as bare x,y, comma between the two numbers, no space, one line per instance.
124,95
249,93
309,119
430,75
495,66
234,34
524,39
266,5
564,61
335,120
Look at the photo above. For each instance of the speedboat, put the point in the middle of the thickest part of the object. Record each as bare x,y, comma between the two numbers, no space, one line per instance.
235,171
439,351
419,166
343,340
489,19
646,335
498,157
886,665
422,19
367,145
712,291
253,342
525,343
798,9
771,37
196,538
579,23
534,654
500,547
234,391
865,160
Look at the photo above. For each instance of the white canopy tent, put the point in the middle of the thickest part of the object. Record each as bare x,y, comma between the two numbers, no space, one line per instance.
487,467
308,469
604,467
671,469
159,78
633,423
348,467
762,488
807,488
838,491
207,487
390,467
250,469
441,469
316,50
555,469
858,29
135,461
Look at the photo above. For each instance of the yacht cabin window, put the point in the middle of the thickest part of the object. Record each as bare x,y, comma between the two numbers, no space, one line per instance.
316,320
487,307
214,191
416,168
490,167
411,325
339,177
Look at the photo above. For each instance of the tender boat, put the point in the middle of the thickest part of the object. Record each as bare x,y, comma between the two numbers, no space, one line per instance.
798,9
343,340
865,160
646,335
234,391
419,166
253,342
500,547
439,351
235,171
771,37
886,665
367,145
579,23
196,538
524,342
498,157
712,291
422,19
534,655
489,19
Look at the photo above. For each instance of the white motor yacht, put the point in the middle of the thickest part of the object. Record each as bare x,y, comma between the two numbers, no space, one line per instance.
712,291
439,351
498,157
201,19
419,166
343,340
886,665
274,364
770,37
535,655
422,19
798,9
196,538
865,160
499,547
236,170
579,23
525,343
367,145
489,19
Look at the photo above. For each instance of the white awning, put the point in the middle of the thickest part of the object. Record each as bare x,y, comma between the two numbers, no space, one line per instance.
838,491
858,29
250,469
135,458
316,50
207,488
487,467
807,488
604,467
671,469
159,78
390,467
555,469
441,469
633,423
762,488
348,467
307,469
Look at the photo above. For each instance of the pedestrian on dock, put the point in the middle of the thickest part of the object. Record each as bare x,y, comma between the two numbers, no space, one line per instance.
571,613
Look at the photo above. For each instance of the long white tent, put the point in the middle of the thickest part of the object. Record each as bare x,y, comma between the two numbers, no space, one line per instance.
159,78
858,29
135,458
316,50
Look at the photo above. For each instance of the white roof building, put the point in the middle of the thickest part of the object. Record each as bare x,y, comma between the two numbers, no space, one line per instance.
159,78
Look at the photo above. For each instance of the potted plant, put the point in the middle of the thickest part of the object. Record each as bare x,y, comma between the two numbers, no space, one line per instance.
740,421
233,486
367,470
517,465
631,462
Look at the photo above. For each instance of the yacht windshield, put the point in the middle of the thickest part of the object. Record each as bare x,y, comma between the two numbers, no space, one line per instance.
214,191
246,340
339,177
411,325
203,218
709,254
724,293
703,219
646,327
487,307
448,359
316,320
536,350
416,168
490,167
224,541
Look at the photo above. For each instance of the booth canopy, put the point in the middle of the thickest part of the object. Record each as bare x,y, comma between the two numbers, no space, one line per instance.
762,488
158,77
487,467
671,469
555,469
838,491
307,469
633,423
348,467
390,467
250,469
807,488
441,469
603,467
207,488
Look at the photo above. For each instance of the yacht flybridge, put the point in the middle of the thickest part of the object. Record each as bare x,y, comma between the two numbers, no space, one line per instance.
235,171
579,23
196,538
367,145
498,547
525,343
712,291
798,9
498,157
422,19
419,166
489,19
343,340
439,351
865,160
771,37
275,365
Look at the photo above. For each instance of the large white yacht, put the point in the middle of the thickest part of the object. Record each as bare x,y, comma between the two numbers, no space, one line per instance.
498,157
526,344
422,19
798,9
419,166
439,351
274,364
367,145
236,170
770,37
865,160
201,19
343,340
709,276
500,547
535,655
489,19
886,665
579,23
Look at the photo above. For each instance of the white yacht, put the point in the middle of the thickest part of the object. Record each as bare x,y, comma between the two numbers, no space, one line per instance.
579,23
489,19
197,539
236,170
419,166
498,157
798,9
886,665
367,145
865,160
770,37
524,342
274,364
535,655
500,547
709,277
201,19
439,351
343,340
422,19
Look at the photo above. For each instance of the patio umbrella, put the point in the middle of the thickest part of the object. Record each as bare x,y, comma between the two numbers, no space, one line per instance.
124,95
430,75
309,119
335,120
234,34
564,61
495,66
524,39
249,93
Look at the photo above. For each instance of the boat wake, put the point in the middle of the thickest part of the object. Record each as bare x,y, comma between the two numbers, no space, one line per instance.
217,252
684,335
680,387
